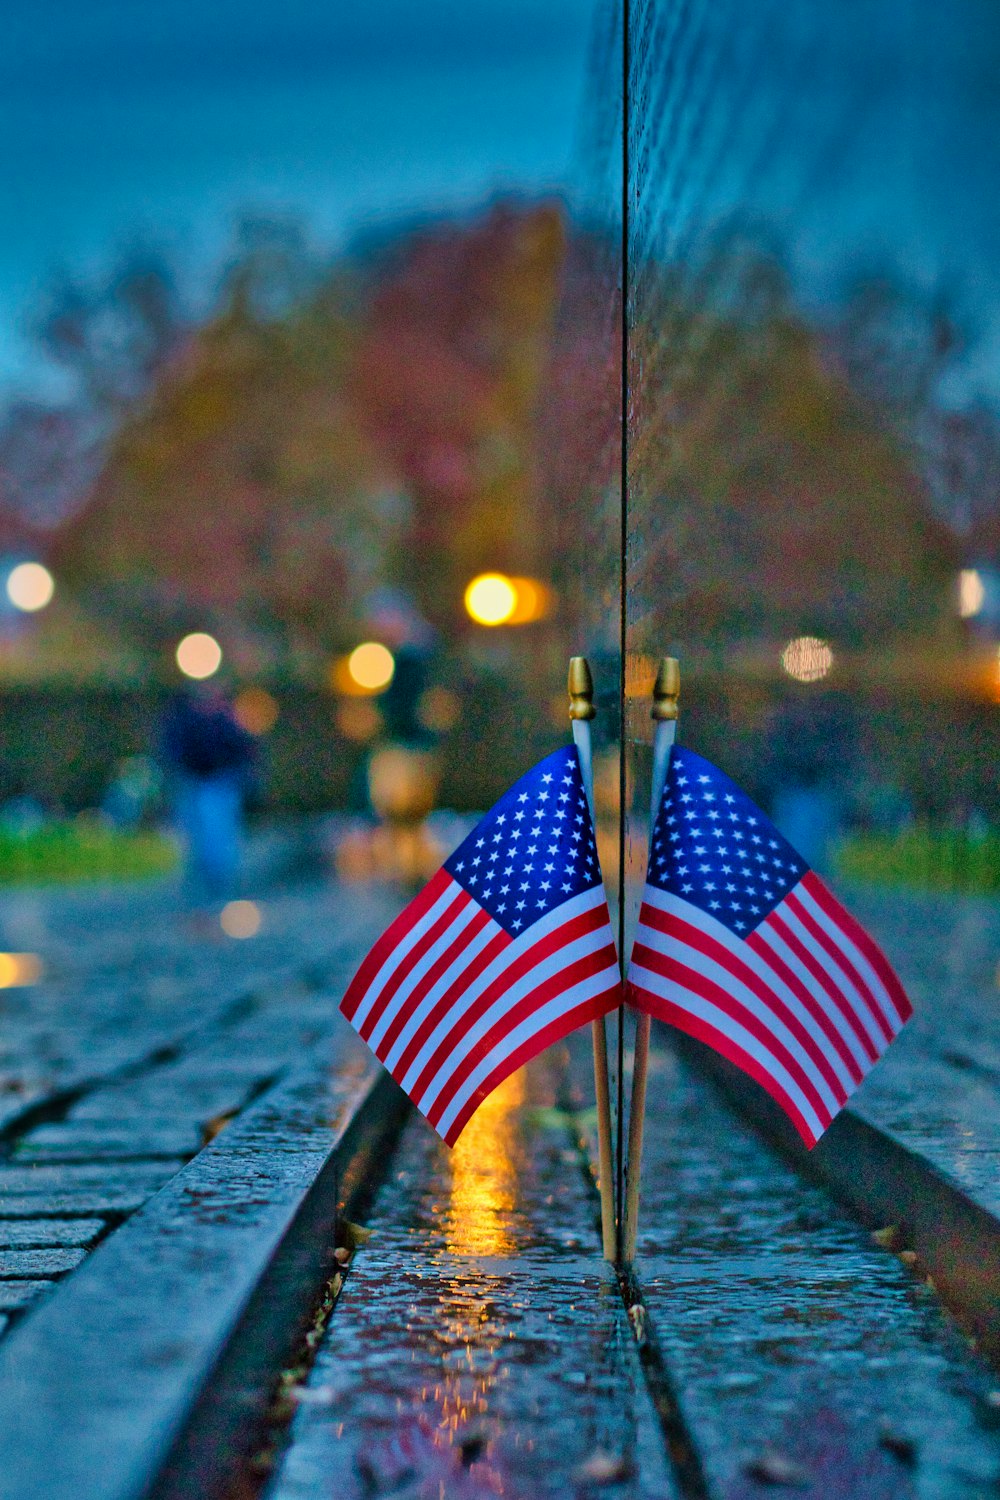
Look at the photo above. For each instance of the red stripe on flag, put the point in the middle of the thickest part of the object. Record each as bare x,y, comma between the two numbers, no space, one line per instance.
784,972
440,965
558,938
837,955
702,1031
442,1006
861,940
556,984
775,924
706,989
405,967
587,1010
390,940
672,925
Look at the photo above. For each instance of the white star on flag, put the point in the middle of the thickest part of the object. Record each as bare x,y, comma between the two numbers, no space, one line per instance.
468,982
742,946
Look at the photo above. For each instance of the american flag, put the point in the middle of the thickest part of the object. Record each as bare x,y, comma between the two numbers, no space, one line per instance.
507,949
741,945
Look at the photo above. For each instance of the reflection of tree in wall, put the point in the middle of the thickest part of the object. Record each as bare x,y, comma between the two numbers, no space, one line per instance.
777,495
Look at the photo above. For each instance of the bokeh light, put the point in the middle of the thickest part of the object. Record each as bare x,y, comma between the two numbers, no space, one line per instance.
240,919
30,586
199,655
371,666
807,658
491,599
256,709
19,969
971,593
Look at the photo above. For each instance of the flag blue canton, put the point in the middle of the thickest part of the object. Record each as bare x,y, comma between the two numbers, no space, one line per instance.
535,849
713,847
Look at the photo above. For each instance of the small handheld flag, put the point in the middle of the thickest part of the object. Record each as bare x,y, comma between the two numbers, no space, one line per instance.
741,945
506,950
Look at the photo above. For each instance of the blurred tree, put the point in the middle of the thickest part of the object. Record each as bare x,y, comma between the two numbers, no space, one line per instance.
240,494
114,337
447,381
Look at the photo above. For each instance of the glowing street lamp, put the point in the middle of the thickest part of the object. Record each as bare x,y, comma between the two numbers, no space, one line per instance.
971,593
495,599
807,658
199,656
30,587
491,599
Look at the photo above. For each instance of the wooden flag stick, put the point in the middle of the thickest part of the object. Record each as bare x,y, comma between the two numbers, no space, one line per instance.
665,695
581,711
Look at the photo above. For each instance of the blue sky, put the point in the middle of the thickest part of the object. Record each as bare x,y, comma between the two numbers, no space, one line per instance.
166,120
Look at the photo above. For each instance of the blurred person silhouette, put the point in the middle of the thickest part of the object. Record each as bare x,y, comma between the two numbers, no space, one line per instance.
210,762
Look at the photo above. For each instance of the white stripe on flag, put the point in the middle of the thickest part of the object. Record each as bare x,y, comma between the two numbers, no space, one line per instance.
777,944
418,1013
854,953
704,1010
676,948
494,970
837,976
588,989
394,961
770,978
466,1039
460,919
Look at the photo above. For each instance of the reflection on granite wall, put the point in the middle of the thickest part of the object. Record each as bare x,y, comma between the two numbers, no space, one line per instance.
813,434
585,453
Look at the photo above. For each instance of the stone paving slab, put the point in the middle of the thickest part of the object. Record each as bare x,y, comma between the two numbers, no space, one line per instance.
799,1346
178,1085
165,1293
480,1346
35,1263
17,1294
95,1138
88,1203
19,1234
125,983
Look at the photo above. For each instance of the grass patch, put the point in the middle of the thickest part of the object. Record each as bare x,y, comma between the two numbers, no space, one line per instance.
82,850
929,859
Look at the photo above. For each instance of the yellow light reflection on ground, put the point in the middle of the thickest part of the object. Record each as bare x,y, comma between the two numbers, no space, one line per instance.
19,969
240,919
483,1177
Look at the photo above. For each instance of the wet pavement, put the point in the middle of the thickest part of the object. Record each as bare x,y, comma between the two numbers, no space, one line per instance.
801,1347
143,1039
480,1346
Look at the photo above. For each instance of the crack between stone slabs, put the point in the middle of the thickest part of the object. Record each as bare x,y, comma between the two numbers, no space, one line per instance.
54,1107
678,1439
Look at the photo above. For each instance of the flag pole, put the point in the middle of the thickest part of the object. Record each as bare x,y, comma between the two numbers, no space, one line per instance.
580,685
664,713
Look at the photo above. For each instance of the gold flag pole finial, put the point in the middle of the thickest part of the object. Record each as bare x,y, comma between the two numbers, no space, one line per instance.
666,693
666,689
580,686
581,710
